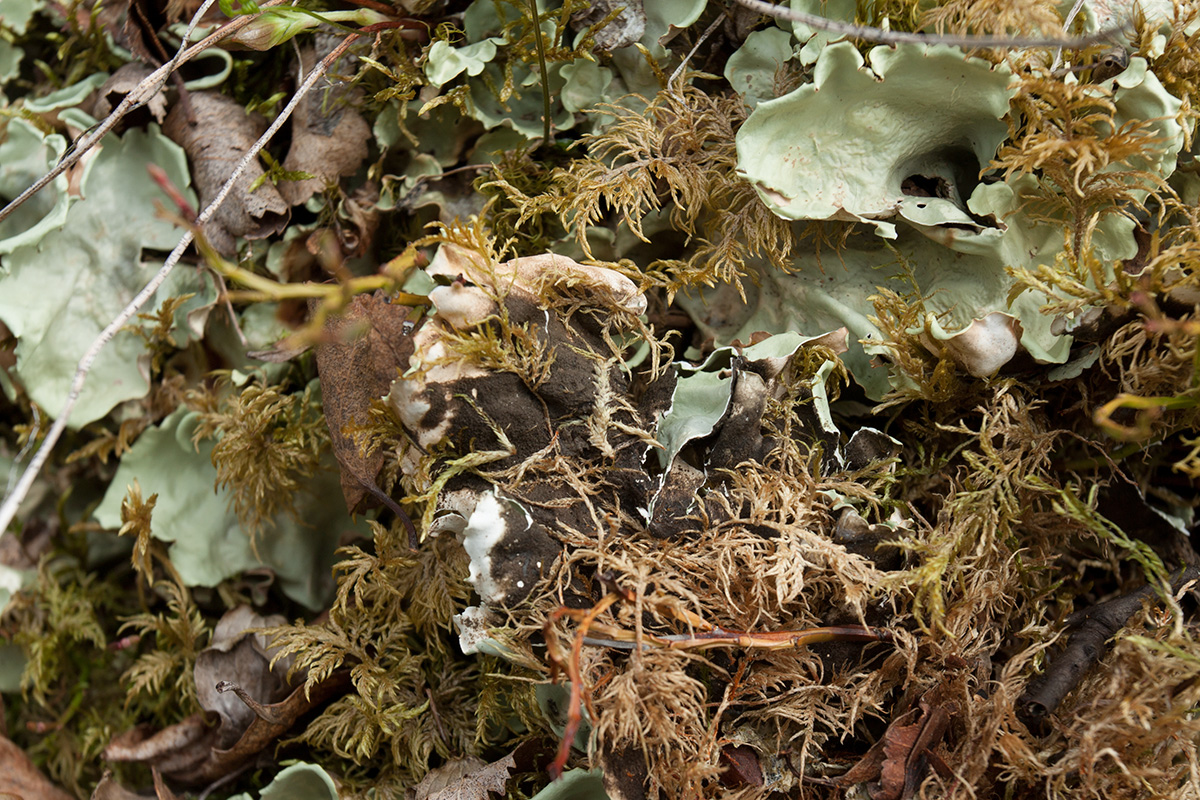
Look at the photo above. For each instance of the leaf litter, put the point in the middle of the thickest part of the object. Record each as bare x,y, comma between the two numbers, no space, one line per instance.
688,482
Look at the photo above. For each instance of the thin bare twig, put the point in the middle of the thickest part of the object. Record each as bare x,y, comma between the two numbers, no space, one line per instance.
25,448
766,640
707,33
1075,9
574,674
870,34
1092,629
11,503
140,95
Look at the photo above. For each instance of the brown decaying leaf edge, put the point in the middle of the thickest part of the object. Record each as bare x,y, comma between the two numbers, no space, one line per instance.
354,371
123,82
20,778
215,138
901,758
167,750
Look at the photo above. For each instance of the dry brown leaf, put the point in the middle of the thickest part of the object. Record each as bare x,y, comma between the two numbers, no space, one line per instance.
902,756
21,779
742,767
467,778
870,765
243,658
109,789
897,754
185,752
215,139
354,371
626,28
121,83
235,726
276,720
178,748
329,138
161,790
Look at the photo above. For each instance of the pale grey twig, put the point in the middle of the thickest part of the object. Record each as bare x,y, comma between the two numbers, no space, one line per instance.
13,501
700,41
870,34
613,643
25,448
1075,9
81,147
187,35
140,95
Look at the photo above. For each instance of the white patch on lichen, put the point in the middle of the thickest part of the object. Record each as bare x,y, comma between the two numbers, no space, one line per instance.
485,528
474,626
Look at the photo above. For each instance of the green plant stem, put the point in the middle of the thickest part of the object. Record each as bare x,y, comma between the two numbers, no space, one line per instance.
541,51
261,289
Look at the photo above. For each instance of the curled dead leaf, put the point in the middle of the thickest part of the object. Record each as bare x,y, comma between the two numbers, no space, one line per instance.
21,779
175,749
185,752
329,137
109,789
121,83
240,656
263,732
215,139
236,725
161,790
896,765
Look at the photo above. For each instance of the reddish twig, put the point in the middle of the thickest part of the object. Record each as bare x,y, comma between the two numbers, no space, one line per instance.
574,706
773,640
768,640
160,177
708,636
